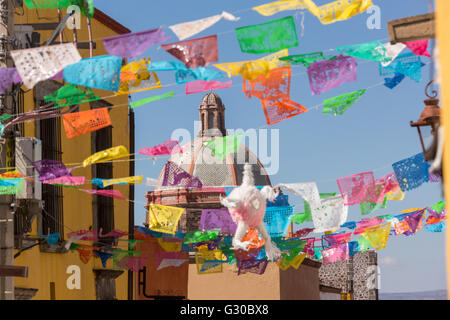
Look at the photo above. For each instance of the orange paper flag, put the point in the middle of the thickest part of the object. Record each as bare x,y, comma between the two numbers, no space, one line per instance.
79,123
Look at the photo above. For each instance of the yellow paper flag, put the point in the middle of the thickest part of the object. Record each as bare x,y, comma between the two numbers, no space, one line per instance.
164,218
271,8
129,180
135,78
378,235
106,155
337,10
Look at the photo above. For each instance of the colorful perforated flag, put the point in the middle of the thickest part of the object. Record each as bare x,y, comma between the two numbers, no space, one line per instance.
71,95
131,45
50,169
326,75
419,47
104,256
338,105
67,181
305,59
373,51
254,68
7,76
163,218
256,266
329,214
281,109
337,10
273,86
407,64
176,176
86,6
166,148
135,77
271,8
195,53
79,123
188,29
411,172
41,63
102,72
201,86
392,51
221,147
202,259
126,180
268,37
334,254
106,155
141,102
359,188
106,193
391,83
217,218
378,235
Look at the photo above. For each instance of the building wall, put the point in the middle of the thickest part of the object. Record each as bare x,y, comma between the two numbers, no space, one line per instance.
443,42
77,206
301,283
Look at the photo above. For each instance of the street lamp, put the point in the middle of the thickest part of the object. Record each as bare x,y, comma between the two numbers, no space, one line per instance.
430,116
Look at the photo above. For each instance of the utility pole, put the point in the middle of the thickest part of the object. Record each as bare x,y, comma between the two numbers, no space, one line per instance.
6,213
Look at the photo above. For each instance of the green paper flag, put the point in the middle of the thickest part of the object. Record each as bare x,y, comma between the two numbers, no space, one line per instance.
299,218
338,105
70,95
5,117
268,37
364,244
151,99
200,236
373,51
369,207
438,207
305,59
221,147
86,6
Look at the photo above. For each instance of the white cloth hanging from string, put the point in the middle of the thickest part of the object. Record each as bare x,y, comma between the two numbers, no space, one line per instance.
188,29
37,64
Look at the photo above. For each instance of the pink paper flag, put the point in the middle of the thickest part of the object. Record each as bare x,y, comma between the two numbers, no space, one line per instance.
106,193
359,188
334,254
166,148
201,86
67,181
419,47
365,223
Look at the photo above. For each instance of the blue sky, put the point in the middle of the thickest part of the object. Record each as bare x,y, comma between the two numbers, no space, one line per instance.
371,135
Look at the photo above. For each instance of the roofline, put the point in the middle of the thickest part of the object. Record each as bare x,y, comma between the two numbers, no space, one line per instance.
110,22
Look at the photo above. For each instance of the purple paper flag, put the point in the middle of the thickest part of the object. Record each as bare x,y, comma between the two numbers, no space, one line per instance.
50,169
7,77
414,219
328,74
217,218
252,266
176,176
131,45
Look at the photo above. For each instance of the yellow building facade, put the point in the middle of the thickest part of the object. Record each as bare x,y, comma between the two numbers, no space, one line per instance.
55,274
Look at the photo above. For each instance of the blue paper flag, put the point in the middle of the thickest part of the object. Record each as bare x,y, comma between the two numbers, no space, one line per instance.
412,172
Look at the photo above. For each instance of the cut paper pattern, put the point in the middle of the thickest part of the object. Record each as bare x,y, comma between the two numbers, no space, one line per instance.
87,235
164,218
338,105
131,45
166,263
252,266
7,76
367,222
188,29
170,244
167,259
269,9
67,181
369,207
305,59
302,232
271,87
291,249
419,47
414,220
390,188
204,267
41,63
195,53
102,72
139,103
391,83
106,155
106,193
330,214
135,77
436,227
50,169
372,51
307,190
359,188
126,180
79,123
71,95
281,109
336,239
201,236
201,86
337,10
176,176
364,244
407,64
217,218
113,234
276,220
268,37
254,68
326,75
51,239
411,172
378,235
221,147
197,74
166,148
48,4
306,216
392,51
85,252
104,256
334,254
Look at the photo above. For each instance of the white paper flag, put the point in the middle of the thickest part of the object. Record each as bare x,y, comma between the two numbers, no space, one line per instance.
171,263
188,29
308,190
330,214
37,64
392,51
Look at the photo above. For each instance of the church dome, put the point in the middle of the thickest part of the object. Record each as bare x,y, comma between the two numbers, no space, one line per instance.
199,161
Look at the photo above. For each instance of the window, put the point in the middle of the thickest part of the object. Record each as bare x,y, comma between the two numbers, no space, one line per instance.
103,207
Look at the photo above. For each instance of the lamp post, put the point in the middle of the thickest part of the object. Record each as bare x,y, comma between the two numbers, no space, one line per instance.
430,116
